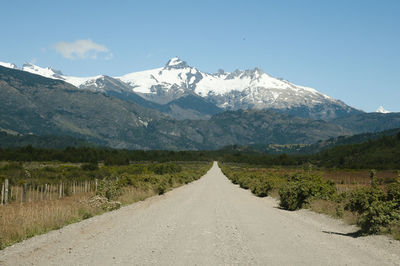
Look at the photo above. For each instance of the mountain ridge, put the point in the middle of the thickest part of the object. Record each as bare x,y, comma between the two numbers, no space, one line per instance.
240,89
33,104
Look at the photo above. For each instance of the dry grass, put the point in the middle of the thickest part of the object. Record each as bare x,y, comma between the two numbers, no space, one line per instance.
357,177
132,194
333,209
21,221
39,214
395,231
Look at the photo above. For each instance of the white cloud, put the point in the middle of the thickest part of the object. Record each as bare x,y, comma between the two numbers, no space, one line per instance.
82,49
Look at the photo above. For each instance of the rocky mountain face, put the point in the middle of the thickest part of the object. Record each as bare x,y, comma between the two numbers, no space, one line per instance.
32,104
248,89
42,106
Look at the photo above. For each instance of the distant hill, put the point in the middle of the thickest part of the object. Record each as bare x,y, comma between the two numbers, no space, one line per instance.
319,146
369,122
376,153
381,153
48,142
344,140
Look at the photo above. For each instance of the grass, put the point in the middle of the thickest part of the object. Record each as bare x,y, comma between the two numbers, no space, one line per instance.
19,221
333,209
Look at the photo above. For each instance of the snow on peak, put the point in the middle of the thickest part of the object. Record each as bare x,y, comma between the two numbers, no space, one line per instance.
49,72
382,110
8,65
45,72
175,62
251,88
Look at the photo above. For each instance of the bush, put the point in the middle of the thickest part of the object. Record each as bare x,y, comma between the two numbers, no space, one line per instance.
393,193
161,188
109,189
90,166
262,187
361,199
166,168
245,182
234,178
300,189
378,216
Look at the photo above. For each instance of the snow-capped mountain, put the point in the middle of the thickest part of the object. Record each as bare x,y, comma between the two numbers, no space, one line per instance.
382,110
49,72
9,65
241,89
232,91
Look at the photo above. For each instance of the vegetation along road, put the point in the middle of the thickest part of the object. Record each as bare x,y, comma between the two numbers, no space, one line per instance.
207,222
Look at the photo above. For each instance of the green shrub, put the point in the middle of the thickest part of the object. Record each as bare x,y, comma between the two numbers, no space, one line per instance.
109,161
166,168
234,178
361,199
301,188
393,193
90,166
245,182
262,187
379,216
109,189
13,166
161,188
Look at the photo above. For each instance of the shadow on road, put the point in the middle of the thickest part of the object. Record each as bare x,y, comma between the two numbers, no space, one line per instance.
355,234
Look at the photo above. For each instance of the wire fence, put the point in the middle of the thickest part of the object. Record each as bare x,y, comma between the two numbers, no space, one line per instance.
34,192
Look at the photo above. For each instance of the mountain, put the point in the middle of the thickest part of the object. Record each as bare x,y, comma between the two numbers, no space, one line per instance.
241,89
189,106
8,65
32,104
245,127
49,72
49,142
369,122
249,89
382,110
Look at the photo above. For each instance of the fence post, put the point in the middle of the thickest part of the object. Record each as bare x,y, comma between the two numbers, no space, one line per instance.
96,185
60,191
2,193
45,192
24,189
5,191
16,188
30,193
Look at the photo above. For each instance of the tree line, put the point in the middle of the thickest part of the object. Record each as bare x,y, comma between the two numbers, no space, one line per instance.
382,153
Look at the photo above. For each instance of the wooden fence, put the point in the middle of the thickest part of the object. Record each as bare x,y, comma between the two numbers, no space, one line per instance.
35,192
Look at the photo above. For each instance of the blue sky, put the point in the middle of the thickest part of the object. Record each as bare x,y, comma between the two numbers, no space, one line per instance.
349,50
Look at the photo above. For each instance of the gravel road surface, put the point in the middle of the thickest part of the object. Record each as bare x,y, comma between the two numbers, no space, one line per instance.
208,222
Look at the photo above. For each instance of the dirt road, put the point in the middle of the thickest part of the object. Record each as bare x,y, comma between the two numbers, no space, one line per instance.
208,222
